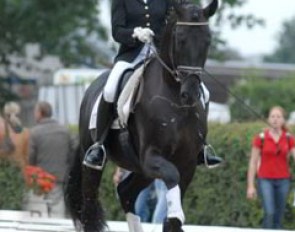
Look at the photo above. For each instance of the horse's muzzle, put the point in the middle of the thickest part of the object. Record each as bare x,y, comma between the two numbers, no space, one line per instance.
188,98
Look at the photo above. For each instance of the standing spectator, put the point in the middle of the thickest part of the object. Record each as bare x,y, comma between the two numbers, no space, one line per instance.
14,138
160,211
119,175
154,213
147,212
51,148
143,203
269,158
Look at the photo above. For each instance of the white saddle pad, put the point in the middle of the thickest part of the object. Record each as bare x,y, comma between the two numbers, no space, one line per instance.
124,102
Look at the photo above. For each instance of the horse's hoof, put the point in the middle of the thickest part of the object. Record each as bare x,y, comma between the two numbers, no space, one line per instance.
172,225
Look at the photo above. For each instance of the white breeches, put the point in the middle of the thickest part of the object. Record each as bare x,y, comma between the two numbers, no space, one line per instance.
119,68
113,80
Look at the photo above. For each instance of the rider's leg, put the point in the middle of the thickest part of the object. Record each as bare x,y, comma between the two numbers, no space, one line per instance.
207,155
95,156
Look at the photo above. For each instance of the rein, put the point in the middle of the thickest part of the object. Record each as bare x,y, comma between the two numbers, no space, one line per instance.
240,100
200,70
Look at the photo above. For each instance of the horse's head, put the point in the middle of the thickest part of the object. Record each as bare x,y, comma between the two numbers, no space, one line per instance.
192,36
190,39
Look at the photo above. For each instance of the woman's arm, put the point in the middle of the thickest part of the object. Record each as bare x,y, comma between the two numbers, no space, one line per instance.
292,152
252,169
117,176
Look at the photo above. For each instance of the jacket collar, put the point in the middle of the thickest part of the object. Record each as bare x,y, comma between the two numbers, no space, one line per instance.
47,120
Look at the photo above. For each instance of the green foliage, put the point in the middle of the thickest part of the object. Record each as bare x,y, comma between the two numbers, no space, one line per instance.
5,94
61,27
227,15
223,190
12,185
214,197
285,51
69,29
259,95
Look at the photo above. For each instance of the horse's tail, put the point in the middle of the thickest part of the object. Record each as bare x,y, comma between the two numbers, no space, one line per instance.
73,189
81,196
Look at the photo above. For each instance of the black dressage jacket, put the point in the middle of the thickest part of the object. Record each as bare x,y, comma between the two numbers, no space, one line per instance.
128,14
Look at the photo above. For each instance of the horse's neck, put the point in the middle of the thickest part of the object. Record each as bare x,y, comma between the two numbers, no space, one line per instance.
166,46
160,93
159,81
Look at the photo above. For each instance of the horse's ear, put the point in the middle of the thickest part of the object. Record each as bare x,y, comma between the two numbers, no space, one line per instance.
177,6
211,9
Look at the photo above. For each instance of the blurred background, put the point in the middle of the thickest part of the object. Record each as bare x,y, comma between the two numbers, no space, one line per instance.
52,50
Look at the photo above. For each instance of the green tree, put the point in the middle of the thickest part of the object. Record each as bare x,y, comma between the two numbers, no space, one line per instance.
6,94
254,95
61,27
71,29
285,51
227,15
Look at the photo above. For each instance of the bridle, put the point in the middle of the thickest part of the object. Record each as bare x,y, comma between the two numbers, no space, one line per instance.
189,70
178,71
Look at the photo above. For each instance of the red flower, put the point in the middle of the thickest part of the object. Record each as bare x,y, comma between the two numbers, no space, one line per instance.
39,180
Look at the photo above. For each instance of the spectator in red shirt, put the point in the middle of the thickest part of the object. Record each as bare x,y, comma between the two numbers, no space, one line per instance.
270,154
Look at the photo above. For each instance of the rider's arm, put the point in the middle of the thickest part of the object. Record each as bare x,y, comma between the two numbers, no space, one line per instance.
120,30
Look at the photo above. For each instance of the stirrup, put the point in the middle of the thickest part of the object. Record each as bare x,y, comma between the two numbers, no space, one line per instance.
95,146
209,151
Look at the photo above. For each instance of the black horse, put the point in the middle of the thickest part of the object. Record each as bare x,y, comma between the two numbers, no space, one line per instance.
166,130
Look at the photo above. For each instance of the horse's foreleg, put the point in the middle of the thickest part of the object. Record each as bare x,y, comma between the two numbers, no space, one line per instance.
186,173
157,167
128,190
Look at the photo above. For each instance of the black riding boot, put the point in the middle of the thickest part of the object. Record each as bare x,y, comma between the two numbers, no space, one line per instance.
208,157
96,155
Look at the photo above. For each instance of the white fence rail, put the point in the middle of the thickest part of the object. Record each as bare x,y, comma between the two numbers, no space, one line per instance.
23,221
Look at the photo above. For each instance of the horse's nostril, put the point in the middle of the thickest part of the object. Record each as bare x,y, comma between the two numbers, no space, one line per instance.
184,96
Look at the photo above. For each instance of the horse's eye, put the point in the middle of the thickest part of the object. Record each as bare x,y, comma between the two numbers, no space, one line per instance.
195,16
181,35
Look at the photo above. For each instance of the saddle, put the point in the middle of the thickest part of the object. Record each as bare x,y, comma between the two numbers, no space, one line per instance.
127,95
129,92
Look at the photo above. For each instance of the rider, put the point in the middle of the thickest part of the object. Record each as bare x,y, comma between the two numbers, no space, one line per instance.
134,26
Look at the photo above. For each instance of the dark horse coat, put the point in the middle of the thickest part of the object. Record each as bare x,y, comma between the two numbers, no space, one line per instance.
166,131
